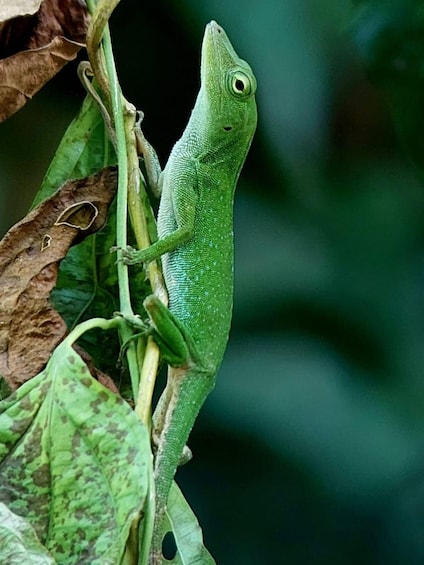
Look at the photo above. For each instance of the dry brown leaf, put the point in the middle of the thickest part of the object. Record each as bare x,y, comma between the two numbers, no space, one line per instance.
34,48
30,253
23,74
11,9
56,18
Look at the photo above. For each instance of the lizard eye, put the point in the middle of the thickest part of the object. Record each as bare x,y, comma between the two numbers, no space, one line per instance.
240,84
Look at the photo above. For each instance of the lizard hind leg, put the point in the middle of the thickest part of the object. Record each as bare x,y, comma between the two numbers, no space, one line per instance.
176,345
178,350
159,416
189,383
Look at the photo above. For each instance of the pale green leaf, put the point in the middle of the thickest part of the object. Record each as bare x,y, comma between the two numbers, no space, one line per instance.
18,541
186,531
73,461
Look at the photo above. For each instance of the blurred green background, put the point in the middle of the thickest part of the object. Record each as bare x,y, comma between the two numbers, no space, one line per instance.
311,449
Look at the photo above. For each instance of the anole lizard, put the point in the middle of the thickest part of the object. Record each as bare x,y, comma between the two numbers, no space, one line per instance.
195,227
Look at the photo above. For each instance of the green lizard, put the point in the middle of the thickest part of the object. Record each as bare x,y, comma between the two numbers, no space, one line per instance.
195,227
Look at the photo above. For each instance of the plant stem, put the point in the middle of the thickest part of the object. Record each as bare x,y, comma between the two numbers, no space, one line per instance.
103,65
91,324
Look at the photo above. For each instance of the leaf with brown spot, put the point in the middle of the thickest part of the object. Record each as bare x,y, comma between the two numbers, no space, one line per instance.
75,461
30,253
19,542
34,48
96,373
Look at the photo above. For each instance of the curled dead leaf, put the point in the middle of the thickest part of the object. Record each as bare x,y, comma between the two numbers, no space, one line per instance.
34,48
23,74
11,9
30,253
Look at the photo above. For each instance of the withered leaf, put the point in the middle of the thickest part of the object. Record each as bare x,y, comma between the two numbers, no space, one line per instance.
23,74
12,9
30,253
56,18
34,48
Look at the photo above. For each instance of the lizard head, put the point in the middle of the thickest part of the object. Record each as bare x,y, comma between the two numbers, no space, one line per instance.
229,84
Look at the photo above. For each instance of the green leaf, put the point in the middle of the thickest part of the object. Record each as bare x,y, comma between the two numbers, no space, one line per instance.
87,287
186,530
84,149
18,541
74,461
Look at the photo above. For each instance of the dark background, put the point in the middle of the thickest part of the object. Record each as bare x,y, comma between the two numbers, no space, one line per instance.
311,449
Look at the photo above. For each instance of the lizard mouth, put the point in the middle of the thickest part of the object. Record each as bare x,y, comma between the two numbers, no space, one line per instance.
215,43
209,49
216,48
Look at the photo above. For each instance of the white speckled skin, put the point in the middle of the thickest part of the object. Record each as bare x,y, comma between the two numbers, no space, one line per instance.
202,172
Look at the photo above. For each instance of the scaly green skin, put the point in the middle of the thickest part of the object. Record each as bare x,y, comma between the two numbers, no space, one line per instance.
195,226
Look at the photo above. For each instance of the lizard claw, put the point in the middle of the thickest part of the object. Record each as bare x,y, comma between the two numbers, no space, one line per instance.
128,254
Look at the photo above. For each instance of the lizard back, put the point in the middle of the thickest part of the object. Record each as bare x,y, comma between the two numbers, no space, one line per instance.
202,171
